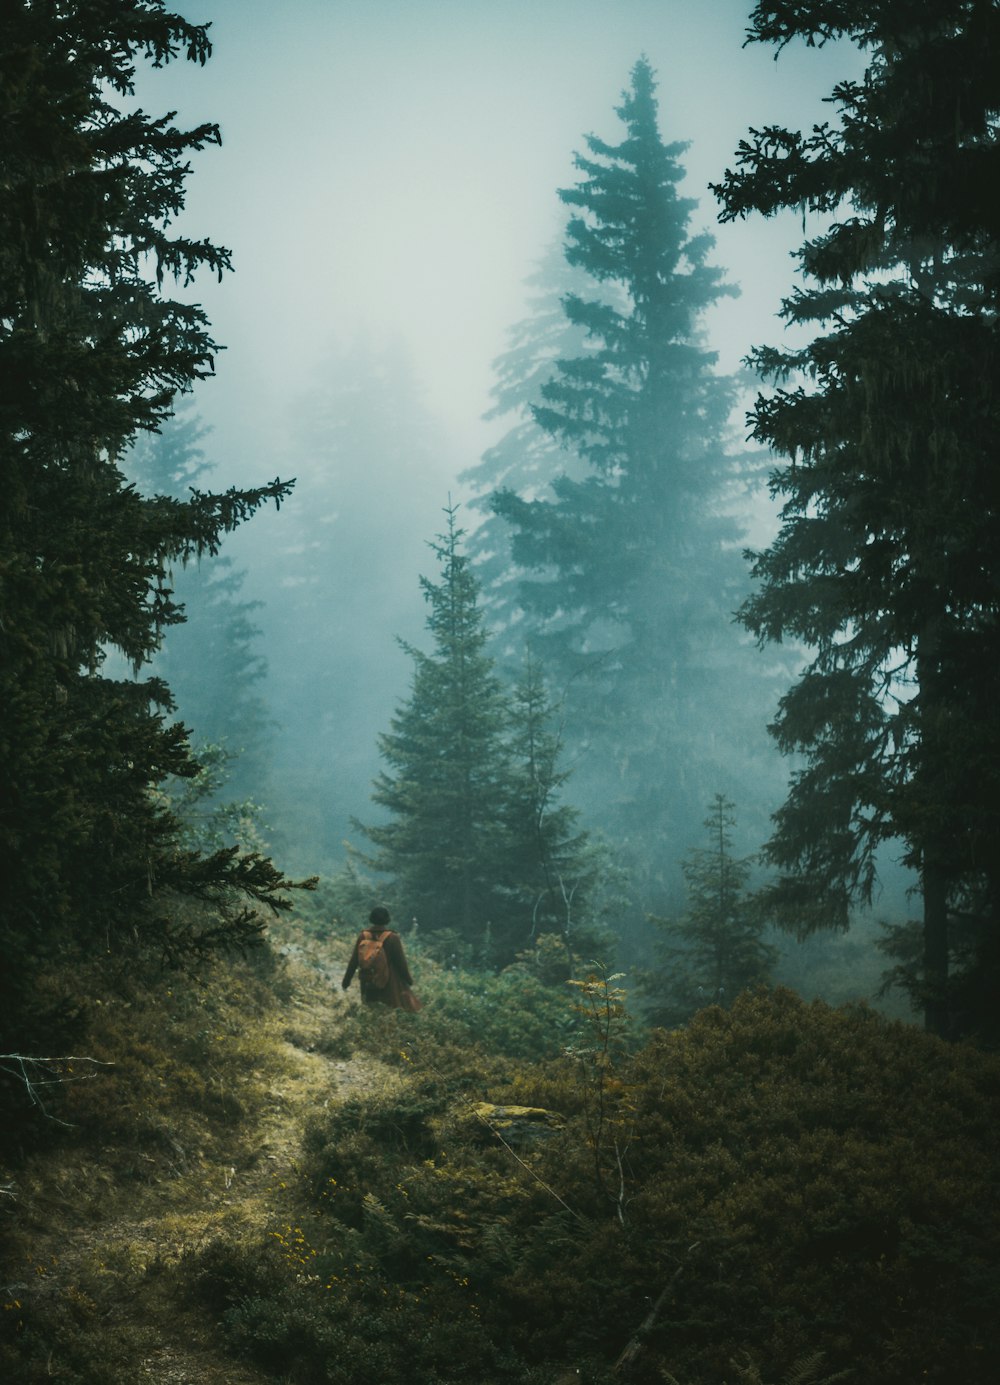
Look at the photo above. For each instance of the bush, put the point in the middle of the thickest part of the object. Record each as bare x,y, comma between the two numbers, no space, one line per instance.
807,1184
822,1179
514,1014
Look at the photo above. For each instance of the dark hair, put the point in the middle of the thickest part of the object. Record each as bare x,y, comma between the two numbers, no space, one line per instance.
379,917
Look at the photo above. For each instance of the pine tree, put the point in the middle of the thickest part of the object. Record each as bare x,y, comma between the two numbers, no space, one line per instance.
715,949
477,841
445,842
92,352
526,457
633,563
558,871
886,563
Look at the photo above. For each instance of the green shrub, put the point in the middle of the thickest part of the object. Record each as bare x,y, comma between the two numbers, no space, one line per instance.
514,1014
822,1178
801,1180
69,1334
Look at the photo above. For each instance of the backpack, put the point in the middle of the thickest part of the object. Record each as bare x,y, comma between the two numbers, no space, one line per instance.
373,962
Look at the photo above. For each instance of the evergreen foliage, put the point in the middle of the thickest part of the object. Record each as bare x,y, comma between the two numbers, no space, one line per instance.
557,868
779,1191
628,569
445,843
208,816
886,563
93,352
715,949
212,660
795,1186
526,457
476,841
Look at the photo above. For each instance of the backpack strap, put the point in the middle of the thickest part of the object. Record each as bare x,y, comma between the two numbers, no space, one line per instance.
371,936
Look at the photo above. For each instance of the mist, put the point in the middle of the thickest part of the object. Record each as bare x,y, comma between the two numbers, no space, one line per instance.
388,185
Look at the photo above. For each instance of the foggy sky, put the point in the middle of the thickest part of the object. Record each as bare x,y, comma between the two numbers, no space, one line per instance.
389,169
387,182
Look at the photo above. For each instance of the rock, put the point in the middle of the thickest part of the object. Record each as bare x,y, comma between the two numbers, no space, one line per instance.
517,1125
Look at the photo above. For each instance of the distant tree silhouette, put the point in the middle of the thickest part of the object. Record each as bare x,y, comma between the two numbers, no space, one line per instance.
337,582
714,949
626,566
213,661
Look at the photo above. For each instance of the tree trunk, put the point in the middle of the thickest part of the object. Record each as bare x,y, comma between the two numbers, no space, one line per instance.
933,878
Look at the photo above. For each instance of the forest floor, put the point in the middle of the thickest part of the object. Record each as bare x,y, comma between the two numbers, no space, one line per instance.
106,1232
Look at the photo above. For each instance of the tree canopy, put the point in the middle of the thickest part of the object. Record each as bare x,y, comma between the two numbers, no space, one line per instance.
93,352
627,566
714,949
886,562
211,660
476,841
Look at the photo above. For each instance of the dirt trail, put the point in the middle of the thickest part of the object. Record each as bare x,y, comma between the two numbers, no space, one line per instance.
238,1199
205,1200
243,1198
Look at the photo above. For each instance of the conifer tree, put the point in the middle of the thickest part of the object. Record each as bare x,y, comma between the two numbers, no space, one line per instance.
886,563
558,872
631,563
715,949
477,841
445,842
93,352
526,457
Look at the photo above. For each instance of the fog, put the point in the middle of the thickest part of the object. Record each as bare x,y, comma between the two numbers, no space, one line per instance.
387,183
390,169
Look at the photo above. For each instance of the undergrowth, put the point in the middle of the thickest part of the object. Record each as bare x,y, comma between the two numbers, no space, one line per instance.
163,1121
510,1185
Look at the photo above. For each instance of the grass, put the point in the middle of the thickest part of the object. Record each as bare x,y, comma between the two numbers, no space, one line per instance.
271,1185
187,1139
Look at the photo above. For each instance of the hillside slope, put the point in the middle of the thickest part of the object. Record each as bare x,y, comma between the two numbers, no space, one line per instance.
191,1138
275,1186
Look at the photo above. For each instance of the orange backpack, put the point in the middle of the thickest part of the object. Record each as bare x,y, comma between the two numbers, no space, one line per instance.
373,962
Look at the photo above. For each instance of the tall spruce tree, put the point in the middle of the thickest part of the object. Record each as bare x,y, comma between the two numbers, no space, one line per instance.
476,840
632,561
92,352
445,843
887,559
526,458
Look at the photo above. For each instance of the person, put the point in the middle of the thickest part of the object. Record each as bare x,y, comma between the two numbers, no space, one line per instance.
396,991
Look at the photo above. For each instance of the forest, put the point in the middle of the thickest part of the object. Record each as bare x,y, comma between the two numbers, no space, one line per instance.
672,750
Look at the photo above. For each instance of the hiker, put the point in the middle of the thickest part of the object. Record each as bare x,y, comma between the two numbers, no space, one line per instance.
378,954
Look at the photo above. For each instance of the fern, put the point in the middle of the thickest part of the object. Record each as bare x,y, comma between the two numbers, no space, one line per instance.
805,1371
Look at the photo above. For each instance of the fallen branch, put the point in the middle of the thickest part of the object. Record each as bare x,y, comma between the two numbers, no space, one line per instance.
633,1350
28,1068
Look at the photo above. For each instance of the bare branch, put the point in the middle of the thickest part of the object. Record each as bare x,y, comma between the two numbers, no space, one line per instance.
28,1068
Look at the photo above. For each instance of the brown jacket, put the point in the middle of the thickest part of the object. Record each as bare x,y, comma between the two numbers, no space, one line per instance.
399,973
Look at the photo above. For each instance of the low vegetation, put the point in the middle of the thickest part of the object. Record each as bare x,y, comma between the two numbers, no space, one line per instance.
271,1184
